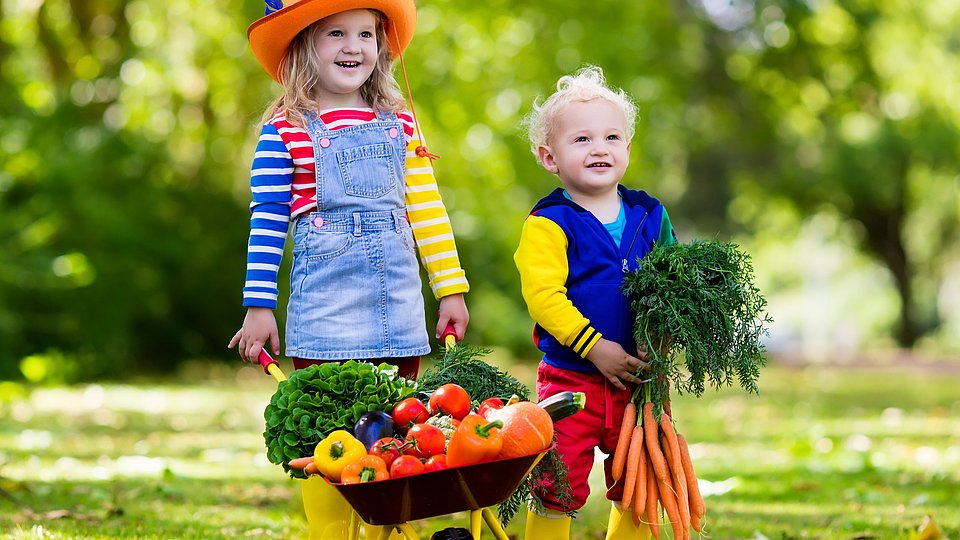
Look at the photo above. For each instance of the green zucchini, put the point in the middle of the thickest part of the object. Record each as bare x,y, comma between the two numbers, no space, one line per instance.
563,404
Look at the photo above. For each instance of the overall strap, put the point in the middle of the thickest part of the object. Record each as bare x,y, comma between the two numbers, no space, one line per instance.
383,117
315,123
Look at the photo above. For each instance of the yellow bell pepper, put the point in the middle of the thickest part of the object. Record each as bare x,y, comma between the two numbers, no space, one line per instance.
335,451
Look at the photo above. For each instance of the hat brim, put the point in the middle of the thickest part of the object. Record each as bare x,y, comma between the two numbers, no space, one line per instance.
271,35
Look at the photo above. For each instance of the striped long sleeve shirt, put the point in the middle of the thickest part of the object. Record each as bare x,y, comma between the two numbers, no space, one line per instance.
283,185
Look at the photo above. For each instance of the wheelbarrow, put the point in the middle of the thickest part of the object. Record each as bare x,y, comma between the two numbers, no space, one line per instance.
392,503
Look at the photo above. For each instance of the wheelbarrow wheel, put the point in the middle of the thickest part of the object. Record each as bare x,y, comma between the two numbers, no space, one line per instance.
452,533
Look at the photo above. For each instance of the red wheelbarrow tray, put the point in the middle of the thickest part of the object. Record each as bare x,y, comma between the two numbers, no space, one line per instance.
437,493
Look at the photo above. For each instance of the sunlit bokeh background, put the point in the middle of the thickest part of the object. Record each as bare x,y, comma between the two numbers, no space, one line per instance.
820,136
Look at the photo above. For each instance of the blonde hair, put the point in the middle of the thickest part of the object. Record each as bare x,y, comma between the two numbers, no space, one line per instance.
299,76
587,84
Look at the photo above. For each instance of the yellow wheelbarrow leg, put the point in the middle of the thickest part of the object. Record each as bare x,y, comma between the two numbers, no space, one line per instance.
353,526
408,531
494,525
475,521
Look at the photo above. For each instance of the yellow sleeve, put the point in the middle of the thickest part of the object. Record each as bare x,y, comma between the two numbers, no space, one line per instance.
431,226
541,259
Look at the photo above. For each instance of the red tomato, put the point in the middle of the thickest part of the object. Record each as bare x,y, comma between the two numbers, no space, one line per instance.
488,404
435,463
387,449
450,399
427,441
408,412
405,466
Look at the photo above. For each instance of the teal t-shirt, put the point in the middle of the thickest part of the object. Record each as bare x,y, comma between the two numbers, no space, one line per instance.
615,228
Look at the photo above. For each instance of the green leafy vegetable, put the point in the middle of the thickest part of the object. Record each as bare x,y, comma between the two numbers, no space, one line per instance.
698,298
323,398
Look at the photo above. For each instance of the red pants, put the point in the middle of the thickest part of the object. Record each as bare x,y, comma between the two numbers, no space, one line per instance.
597,426
408,367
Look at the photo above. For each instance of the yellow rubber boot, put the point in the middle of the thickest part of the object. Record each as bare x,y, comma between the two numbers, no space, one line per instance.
553,526
621,526
328,513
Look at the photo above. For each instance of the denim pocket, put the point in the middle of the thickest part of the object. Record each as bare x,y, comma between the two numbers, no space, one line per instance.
316,244
368,171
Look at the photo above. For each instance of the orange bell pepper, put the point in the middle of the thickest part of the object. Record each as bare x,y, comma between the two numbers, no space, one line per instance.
368,468
475,441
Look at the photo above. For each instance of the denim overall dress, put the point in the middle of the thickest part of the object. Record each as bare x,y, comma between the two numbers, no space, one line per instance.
355,289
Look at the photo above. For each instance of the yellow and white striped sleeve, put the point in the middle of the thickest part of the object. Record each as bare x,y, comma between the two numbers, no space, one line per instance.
431,226
541,259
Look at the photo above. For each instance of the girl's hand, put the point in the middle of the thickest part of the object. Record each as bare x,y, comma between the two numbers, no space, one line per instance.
614,363
453,310
259,327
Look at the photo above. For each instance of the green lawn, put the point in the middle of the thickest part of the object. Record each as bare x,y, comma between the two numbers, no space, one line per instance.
821,453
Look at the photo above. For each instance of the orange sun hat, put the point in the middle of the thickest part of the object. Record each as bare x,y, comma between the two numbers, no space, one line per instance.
271,35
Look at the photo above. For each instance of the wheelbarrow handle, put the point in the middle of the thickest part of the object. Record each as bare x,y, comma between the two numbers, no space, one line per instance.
449,336
270,366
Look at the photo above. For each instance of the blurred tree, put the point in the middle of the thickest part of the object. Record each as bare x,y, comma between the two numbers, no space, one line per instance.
742,102
127,128
859,100
122,133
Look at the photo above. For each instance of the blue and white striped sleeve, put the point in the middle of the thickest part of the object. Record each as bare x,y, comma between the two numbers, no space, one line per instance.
271,176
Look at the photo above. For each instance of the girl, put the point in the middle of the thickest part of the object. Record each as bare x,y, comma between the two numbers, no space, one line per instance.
340,158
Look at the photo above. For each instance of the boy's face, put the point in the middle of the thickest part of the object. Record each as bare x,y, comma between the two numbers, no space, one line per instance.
588,148
346,46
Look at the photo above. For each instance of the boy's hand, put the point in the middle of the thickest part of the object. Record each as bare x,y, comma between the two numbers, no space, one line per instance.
666,341
259,327
453,310
614,363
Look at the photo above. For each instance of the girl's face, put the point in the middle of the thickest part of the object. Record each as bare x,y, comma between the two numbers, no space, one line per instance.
588,148
346,47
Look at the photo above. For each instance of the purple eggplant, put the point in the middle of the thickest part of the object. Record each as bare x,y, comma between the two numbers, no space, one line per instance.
372,427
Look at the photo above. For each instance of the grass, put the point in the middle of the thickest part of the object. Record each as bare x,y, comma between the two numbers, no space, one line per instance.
821,453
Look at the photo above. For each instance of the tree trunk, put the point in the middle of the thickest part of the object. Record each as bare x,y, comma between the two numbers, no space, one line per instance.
884,228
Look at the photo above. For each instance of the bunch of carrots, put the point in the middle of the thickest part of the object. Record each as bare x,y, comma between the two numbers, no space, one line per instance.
654,461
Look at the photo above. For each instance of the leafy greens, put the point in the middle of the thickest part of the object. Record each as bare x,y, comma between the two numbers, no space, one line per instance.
698,298
323,398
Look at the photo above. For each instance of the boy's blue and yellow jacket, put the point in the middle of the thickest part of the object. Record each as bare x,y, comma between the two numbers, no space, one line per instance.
571,273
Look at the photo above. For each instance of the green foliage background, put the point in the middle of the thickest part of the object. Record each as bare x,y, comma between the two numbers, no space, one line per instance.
821,135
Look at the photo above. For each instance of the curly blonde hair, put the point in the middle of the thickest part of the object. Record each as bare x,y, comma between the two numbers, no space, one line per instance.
587,84
299,76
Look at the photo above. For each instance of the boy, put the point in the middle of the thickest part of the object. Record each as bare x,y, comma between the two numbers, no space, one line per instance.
574,249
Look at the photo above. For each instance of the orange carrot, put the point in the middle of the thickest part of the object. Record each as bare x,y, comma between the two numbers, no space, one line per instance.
300,462
668,499
640,487
633,461
674,491
653,443
652,497
677,485
626,431
655,454
311,468
697,507
679,479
